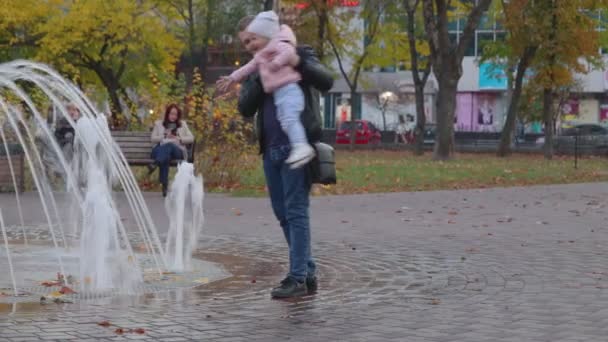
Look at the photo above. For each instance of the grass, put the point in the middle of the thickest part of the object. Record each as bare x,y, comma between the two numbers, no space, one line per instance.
390,171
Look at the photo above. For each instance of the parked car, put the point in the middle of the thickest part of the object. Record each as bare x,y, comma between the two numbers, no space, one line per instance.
592,138
366,133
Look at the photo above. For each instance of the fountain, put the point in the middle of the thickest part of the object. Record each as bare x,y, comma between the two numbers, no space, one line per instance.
97,247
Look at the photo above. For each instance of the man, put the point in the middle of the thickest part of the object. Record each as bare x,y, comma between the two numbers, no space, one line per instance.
289,188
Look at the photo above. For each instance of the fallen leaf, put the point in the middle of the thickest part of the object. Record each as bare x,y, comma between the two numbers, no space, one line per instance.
139,331
435,301
453,212
119,331
104,323
344,221
253,281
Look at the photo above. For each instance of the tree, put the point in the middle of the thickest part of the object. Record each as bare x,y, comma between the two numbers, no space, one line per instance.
514,54
416,54
312,22
111,42
569,44
362,48
187,13
446,57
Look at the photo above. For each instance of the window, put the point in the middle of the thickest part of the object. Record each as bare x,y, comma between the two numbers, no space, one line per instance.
347,125
483,39
489,31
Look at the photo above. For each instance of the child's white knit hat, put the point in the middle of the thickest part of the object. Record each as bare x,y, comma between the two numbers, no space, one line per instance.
265,24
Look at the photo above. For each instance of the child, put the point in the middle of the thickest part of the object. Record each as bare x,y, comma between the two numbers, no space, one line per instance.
279,78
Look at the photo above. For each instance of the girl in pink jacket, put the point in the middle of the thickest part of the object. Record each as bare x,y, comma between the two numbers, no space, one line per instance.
278,76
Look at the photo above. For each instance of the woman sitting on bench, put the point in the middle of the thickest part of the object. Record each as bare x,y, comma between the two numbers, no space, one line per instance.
170,136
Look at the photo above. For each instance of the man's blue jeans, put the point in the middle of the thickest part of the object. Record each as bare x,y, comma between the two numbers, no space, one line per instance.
289,195
163,154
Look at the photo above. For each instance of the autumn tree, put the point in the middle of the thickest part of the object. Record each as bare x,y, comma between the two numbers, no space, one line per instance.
516,54
420,65
569,45
446,57
112,43
355,49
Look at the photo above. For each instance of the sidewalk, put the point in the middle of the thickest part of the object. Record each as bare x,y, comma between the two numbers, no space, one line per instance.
517,264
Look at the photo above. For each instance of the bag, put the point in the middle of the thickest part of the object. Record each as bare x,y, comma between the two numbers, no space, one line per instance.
323,165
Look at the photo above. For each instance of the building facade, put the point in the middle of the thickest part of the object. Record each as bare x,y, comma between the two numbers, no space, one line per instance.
482,100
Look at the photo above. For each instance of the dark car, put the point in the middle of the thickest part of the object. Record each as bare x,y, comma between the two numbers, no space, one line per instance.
366,133
592,138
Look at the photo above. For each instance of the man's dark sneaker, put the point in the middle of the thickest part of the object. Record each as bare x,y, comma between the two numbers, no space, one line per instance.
164,190
289,288
312,285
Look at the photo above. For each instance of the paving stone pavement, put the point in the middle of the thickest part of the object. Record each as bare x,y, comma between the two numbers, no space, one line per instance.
517,264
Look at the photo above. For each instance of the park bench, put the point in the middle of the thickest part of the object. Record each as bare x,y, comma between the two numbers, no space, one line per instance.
16,157
136,147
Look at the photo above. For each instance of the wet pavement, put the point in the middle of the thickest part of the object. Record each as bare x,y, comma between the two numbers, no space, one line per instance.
518,264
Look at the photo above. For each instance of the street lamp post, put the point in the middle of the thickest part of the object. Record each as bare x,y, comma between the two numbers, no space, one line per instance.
384,99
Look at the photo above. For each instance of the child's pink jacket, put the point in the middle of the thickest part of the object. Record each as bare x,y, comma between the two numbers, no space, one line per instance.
272,62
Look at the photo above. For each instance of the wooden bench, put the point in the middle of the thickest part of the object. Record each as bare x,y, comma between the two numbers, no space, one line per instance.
6,180
136,146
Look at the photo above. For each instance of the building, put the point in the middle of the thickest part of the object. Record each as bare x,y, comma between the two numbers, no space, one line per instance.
481,100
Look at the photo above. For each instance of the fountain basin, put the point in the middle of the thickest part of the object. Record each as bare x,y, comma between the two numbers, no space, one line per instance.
37,275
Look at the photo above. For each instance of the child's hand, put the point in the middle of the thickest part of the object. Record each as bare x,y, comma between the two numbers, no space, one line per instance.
223,83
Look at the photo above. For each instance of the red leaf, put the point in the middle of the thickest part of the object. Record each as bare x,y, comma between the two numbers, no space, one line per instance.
139,331
119,331
104,323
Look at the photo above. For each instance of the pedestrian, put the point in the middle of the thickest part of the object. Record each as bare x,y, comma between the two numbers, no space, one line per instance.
171,135
289,188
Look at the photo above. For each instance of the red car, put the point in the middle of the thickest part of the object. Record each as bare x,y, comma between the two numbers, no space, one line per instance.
366,133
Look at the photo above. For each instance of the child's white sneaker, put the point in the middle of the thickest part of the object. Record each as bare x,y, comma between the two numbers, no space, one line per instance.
300,155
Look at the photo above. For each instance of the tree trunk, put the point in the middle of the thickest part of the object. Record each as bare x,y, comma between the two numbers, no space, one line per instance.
504,149
268,5
353,121
446,105
323,18
420,120
210,14
113,88
384,119
191,52
548,118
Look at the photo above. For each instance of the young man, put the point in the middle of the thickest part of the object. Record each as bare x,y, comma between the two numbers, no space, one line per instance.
289,188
